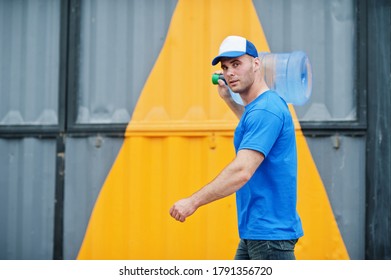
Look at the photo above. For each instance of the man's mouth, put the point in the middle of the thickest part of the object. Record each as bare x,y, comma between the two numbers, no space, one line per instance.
233,82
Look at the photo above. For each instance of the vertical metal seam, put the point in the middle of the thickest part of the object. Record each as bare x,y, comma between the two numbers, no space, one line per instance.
58,234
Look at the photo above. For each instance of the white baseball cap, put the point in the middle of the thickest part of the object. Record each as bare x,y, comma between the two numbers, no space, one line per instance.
235,46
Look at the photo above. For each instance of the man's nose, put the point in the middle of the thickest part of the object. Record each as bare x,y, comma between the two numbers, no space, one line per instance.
230,72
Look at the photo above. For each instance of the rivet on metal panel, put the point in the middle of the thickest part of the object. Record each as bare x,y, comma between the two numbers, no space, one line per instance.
212,141
98,141
336,141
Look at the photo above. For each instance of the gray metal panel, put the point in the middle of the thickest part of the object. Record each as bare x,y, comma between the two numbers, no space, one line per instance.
119,43
27,180
29,62
325,30
341,163
87,163
378,228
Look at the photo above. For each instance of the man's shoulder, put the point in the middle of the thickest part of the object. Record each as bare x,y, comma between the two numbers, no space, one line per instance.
270,102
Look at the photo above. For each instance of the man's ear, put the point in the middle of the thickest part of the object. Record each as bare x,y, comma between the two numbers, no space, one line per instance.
257,64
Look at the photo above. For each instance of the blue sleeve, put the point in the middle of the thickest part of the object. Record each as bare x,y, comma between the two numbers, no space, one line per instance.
261,129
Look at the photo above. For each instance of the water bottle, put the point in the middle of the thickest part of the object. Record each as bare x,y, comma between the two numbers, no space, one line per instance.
289,74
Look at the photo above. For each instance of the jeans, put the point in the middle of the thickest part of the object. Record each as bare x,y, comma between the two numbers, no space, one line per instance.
266,250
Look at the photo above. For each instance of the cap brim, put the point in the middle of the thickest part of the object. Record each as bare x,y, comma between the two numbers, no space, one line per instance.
227,54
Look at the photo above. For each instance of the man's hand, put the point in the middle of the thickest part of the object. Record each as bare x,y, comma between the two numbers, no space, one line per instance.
183,209
222,88
224,93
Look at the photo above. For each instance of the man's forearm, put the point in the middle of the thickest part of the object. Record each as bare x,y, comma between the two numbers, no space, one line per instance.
236,108
231,179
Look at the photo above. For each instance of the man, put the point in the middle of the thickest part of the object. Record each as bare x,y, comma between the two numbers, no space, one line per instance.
264,172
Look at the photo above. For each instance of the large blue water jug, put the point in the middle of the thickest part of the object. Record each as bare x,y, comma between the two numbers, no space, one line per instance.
289,74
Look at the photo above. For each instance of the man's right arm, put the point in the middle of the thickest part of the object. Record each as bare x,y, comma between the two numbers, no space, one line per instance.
230,179
224,93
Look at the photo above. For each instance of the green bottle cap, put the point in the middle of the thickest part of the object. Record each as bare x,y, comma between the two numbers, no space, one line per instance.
216,77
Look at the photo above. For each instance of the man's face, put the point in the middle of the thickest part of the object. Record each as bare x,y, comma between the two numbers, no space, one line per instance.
238,72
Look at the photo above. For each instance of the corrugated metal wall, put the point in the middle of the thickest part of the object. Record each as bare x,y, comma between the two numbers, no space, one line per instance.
326,31
107,71
378,225
29,55
338,158
118,45
87,163
27,180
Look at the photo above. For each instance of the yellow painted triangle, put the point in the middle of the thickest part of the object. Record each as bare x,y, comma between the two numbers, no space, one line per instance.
179,138
322,238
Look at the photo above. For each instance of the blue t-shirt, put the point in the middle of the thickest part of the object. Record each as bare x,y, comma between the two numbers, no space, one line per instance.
266,204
